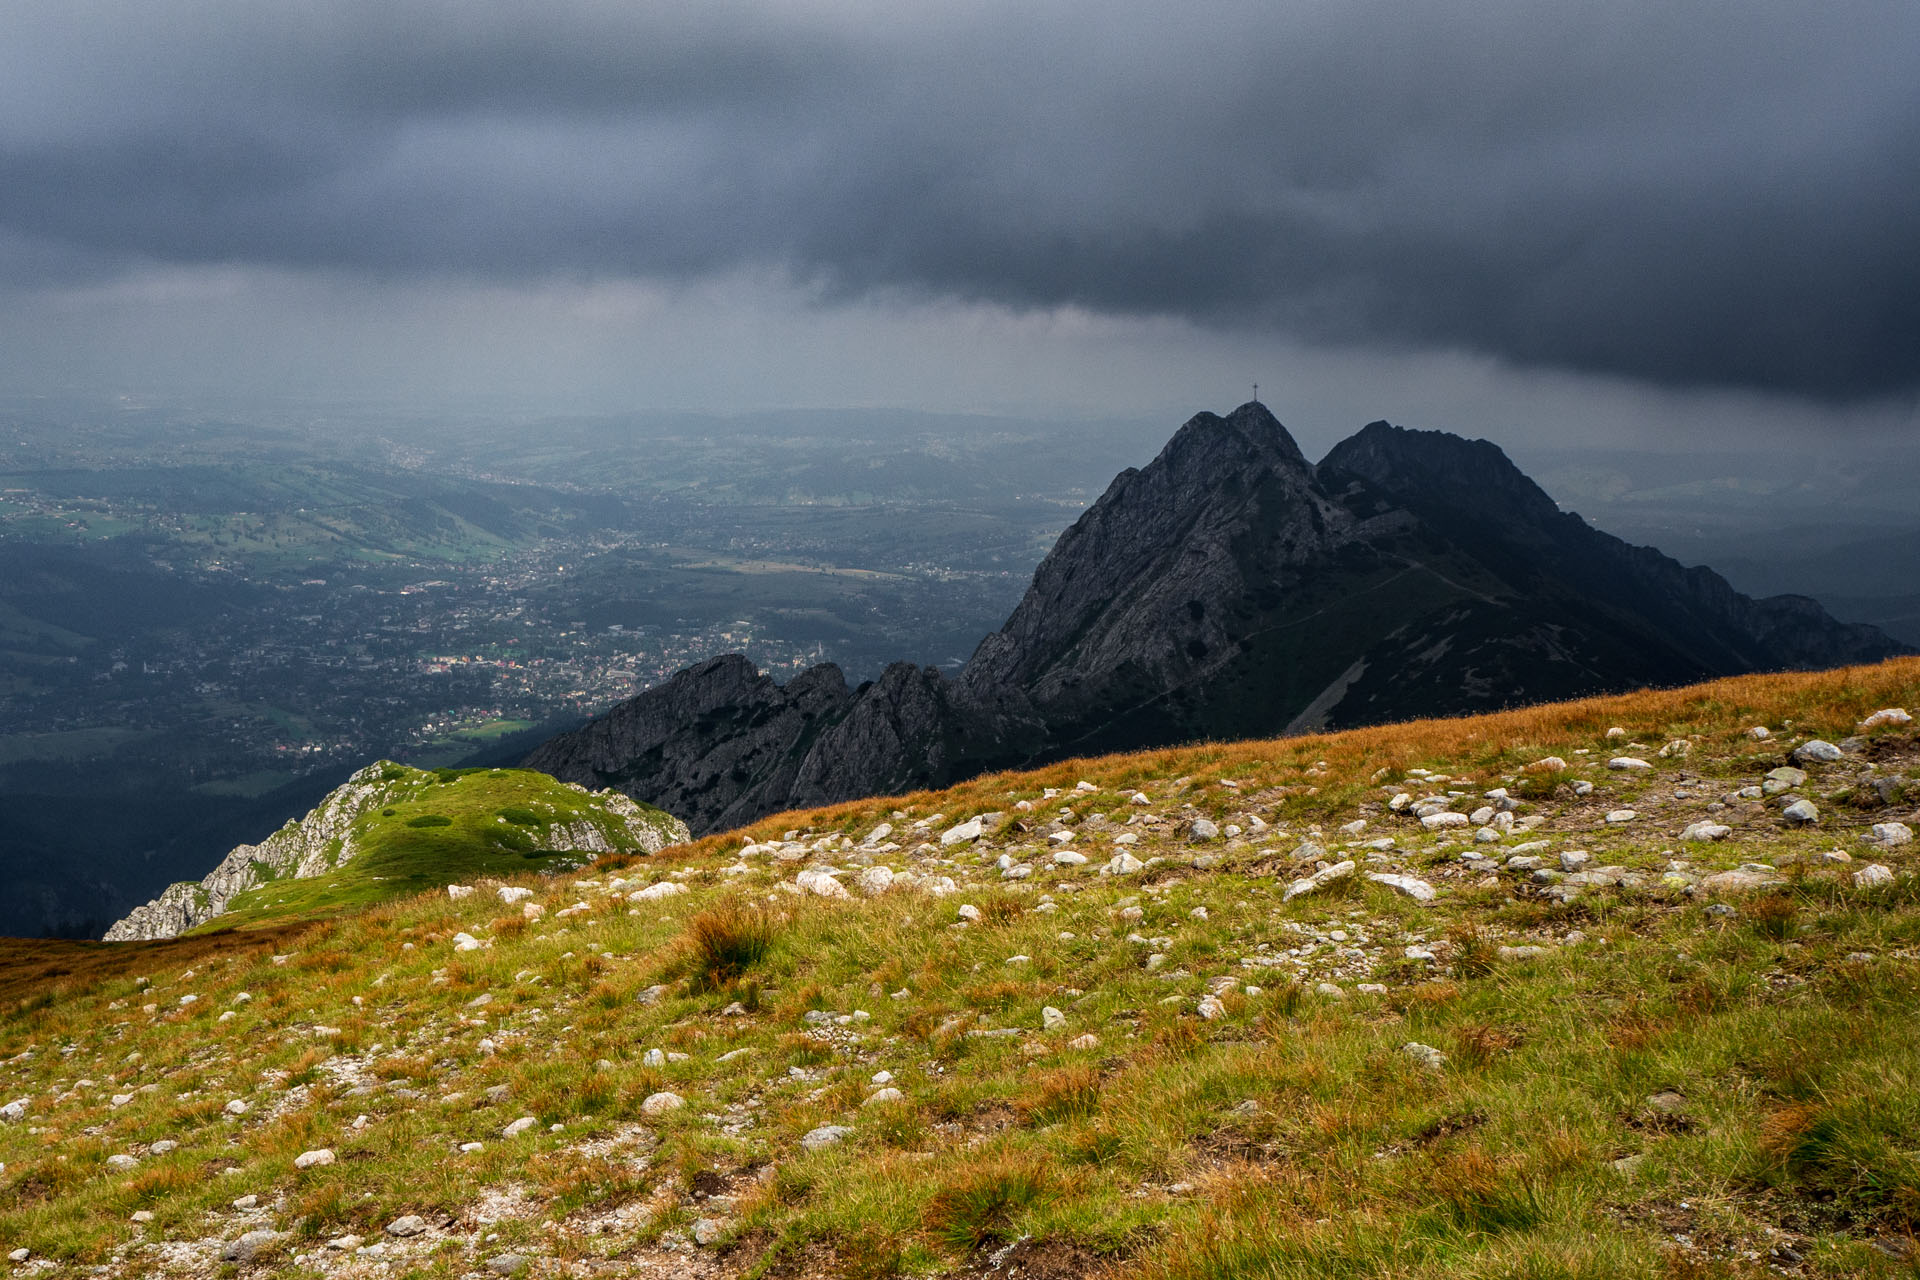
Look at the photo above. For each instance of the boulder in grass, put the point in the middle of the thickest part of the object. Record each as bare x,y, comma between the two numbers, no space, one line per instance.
825,1136
1410,886
1424,1054
249,1246
971,829
1872,876
1816,751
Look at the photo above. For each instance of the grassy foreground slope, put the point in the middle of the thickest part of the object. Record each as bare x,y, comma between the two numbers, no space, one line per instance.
751,1056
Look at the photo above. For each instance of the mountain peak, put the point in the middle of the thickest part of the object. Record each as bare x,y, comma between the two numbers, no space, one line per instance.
1449,468
1140,590
1227,589
1250,436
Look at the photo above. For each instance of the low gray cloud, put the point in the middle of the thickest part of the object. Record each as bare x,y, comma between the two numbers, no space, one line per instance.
1688,194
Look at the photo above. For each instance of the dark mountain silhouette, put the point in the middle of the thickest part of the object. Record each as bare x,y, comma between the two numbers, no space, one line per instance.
1228,589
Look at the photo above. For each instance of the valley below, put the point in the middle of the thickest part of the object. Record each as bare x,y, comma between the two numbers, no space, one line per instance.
207,622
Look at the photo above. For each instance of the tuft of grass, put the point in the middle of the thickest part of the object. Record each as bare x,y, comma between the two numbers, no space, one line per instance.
1000,908
726,940
978,1205
1481,1194
1773,915
1479,1044
1855,1154
1062,1094
1474,953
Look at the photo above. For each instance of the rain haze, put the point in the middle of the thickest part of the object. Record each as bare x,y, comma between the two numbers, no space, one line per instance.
1634,223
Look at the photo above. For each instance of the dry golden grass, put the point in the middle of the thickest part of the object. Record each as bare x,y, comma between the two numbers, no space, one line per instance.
1061,1094
1826,701
726,940
50,968
1308,1142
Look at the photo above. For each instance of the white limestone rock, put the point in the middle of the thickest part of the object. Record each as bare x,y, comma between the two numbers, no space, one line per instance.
1426,1055
1319,879
825,1136
1410,886
971,829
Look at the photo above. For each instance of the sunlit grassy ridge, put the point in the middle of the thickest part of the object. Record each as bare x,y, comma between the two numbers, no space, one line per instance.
439,826
1643,1079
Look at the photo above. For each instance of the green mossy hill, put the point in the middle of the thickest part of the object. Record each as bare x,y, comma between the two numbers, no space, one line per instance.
1621,989
392,830
445,826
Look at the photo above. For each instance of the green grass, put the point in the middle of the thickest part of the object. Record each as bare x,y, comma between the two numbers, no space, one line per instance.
430,829
1289,1137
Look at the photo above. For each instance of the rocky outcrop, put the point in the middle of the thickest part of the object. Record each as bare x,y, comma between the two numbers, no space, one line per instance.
330,836
310,846
1228,589
1149,601
722,744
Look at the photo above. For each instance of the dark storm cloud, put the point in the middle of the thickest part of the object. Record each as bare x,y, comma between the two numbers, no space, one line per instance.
1684,193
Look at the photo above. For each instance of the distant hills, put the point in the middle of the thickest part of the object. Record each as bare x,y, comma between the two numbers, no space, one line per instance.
1228,589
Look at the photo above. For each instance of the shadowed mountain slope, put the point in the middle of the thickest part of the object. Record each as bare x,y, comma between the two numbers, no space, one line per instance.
1228,589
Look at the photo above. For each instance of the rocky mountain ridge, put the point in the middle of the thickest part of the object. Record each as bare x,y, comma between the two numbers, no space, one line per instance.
1229,589
341,827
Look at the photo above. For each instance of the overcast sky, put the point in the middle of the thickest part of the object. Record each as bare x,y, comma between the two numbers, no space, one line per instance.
1645,219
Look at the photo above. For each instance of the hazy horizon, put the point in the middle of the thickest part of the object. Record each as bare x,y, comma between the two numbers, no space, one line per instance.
1652,226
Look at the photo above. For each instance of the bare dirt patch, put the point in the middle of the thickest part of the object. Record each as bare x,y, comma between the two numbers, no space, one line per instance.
1041,1260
